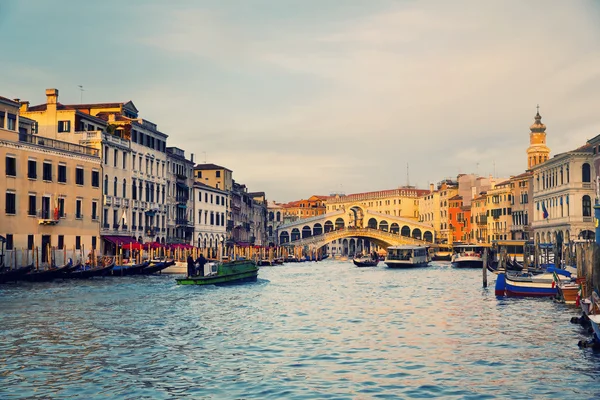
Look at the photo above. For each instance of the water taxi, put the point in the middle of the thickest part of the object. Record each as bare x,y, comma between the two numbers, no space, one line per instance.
224,273
468,255
406,256
442,252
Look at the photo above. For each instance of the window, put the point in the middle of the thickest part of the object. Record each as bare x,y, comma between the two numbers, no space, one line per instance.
32,169
106,185
47,171
105,155
133,161
124,187
115,187
62,173
10,244
218,174
11,203
115,157
11,122
585,173
32,205
133,191
61,207
29,242
94,210
11,166
78,242
198,174
586,204
124,160
64,126
61,242
96,179
94,242
78,209
79,176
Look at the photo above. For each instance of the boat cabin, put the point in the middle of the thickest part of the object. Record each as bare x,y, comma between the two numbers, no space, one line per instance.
476,249
515,249
405,253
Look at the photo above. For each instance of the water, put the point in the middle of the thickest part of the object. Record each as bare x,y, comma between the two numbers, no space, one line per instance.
303,331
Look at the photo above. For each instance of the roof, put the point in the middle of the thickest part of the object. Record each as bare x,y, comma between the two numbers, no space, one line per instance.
503,183
208,167
456,197
4,99
523,175
200,185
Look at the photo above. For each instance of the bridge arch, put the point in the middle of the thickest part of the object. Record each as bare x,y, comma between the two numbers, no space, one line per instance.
394,228
284,237
339,223
317,229
416,233
428,237
306,232
405,231
372,223
328,226
295,234
383,226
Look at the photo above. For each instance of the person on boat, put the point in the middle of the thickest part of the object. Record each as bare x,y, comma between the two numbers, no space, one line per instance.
191,268
201,261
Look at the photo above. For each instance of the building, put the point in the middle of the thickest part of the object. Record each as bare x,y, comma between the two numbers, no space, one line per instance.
210,228
562,197
133,153
258,218
51,189
479,218
181,226
447,190
215,176
537,152
522,206
305,208
429,208
499,212
459,220
275,212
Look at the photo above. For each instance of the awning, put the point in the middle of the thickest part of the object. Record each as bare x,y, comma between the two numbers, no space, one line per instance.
150,213
119,240
182,205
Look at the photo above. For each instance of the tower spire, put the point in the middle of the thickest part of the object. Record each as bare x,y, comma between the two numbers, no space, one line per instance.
537,152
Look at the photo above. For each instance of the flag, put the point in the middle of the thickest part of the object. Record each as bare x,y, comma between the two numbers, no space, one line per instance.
555,279
545,212
578,298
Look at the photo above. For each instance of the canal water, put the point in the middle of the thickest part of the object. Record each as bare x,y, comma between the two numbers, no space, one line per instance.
303,331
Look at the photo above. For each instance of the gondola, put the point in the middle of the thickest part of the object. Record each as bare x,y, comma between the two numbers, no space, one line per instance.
135,269
85,272
157,267
13,275
48,274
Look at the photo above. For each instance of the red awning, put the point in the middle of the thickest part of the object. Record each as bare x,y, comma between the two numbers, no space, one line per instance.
119,240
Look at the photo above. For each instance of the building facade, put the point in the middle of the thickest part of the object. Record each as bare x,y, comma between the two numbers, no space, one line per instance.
522,206
499,212
537,152
210,220
51,190
181,226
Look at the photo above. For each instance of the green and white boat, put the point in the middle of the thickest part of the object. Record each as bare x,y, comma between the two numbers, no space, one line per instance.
224,274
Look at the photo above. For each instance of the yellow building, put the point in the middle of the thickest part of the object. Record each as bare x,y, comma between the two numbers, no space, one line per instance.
447,191
479,219
215,176
429,209
402,202
52,190
499,212
522,206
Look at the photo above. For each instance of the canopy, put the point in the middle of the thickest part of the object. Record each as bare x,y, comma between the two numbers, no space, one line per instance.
133,246
152,245
119,240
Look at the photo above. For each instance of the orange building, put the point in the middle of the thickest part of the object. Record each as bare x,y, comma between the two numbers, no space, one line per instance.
459,219
313,206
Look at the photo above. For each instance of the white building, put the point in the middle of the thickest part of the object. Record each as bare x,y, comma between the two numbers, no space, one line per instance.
210,226
562,196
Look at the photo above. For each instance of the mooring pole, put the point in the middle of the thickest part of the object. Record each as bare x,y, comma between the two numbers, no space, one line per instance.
484,270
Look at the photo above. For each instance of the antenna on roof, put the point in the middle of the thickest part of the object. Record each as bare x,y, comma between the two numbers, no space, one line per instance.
204,156
81,90
407,176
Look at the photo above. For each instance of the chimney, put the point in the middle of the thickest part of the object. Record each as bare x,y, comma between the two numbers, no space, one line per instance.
431,187
51,99
192,157
24,106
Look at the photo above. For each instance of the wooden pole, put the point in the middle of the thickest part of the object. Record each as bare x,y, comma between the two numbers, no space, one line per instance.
37,259
484,270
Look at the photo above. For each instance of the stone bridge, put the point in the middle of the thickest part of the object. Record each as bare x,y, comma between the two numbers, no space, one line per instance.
383,229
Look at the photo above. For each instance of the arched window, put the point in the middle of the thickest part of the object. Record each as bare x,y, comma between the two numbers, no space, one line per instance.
106,185
133,191
124,187
115,187
586,176
586,205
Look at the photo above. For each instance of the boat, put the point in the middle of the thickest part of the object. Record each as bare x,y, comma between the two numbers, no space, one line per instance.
225,273
47,274
406,256
14,274
443,252
87,271
365,261
157,266
519,284
265,262
278,261
134,269
468,256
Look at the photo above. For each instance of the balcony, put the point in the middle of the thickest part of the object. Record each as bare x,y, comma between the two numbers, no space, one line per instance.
45,217
134,228
136,203
150,231
126,203
124,227
181,176
117,202
181,221
115,226
181,199
106,226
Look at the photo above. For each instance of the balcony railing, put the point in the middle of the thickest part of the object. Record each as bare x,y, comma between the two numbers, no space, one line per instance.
181,221
117,202
57,144
45,217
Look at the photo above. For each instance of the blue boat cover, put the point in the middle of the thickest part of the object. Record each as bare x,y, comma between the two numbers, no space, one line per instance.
559,271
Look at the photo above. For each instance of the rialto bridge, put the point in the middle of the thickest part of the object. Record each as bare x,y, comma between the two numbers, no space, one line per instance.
382,229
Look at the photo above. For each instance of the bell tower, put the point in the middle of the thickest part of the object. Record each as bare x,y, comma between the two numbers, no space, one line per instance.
537,152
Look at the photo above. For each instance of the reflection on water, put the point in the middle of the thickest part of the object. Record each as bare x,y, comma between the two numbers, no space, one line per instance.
310,330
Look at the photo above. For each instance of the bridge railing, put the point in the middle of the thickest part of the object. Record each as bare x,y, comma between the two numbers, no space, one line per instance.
348,232
305,221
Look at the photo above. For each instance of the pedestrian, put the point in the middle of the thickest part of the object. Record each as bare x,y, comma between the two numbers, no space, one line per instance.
191,269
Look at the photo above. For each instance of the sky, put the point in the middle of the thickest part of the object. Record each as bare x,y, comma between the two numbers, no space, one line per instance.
303,97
